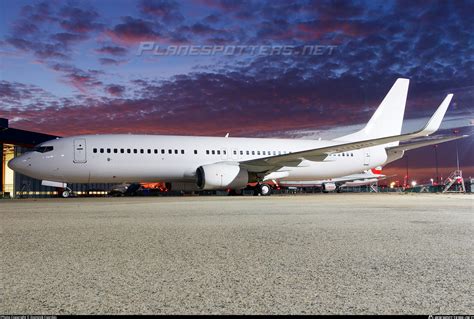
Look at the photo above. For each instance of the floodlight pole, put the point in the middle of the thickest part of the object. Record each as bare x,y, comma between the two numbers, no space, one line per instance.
436,163
457,151
406,182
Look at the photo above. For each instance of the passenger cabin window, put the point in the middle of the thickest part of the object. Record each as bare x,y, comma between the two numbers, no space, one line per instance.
149,151
162,151
195,151
182,151
129,150
115,150
156,151
94,150
102,150
247,152
218,152
213,152
170,151
241,152
122,150
176,151
142,151
207,152
108,150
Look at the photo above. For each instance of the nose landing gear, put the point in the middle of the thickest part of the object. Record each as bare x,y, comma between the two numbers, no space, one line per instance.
66,192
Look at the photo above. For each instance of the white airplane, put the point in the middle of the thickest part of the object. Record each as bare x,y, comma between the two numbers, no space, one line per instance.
213,163
335,184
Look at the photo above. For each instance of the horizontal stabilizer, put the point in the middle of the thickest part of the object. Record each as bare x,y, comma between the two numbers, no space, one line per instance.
396,152
425,142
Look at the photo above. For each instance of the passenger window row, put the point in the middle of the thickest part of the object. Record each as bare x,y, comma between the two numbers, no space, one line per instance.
267,153
137,151
343,154
176,151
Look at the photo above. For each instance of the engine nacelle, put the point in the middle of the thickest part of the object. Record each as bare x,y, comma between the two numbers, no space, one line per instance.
329,187
221,176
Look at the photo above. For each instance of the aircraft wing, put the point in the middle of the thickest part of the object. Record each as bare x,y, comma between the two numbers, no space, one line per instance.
273,163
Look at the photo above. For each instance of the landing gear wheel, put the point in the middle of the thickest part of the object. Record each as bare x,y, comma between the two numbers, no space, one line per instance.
66,192
263,190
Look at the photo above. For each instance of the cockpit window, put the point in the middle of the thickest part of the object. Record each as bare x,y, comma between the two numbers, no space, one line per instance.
43,149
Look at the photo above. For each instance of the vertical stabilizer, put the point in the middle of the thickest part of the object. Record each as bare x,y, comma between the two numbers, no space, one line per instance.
388,118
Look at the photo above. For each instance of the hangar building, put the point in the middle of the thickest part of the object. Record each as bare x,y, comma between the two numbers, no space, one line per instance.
14,142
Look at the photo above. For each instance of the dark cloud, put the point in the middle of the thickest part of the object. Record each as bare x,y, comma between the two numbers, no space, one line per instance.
335,9
115,90
109,61
25,27
166,10
203,33
83,80
227,5
41,50
78,20
113,50
33,31
133,30
212,18
66,38
38,13
16,95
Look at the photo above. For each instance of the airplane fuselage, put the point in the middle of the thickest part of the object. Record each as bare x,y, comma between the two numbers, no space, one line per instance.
149,158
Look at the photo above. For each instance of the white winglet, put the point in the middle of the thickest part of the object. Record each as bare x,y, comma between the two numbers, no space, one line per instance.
435,121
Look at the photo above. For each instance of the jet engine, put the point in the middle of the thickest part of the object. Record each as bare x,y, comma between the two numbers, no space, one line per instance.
221,176
329,187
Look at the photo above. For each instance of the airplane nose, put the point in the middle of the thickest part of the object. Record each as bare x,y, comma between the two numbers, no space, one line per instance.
13,163
19,164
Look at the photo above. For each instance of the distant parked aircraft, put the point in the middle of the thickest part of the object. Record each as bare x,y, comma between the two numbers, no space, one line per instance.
335,184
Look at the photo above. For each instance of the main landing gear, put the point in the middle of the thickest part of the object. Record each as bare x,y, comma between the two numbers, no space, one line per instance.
263,189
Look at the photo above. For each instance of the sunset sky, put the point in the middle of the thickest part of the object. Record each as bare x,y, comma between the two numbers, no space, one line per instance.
72,67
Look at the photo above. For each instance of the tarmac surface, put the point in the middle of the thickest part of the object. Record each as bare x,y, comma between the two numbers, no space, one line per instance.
305,254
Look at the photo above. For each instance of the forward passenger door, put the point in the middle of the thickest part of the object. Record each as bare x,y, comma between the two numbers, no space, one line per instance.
80,155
